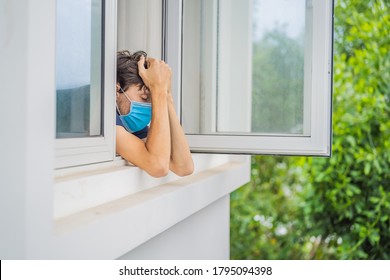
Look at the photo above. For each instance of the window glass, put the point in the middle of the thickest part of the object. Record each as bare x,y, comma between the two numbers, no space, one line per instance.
278,47
79,48
251,56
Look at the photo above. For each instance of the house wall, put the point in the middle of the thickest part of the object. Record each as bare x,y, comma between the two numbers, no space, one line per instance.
108,220
203,235
103,211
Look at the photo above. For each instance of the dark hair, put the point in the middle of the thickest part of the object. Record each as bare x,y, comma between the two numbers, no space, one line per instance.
127,69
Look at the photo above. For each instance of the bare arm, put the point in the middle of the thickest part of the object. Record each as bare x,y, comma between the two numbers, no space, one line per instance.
181,160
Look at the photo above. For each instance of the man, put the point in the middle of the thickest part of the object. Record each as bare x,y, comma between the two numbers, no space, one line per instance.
143,95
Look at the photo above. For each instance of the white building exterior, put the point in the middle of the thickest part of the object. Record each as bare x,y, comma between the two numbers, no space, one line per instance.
111,210
102,211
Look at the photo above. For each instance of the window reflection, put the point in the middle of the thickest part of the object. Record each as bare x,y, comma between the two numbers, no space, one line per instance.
278,66
79,68
245,66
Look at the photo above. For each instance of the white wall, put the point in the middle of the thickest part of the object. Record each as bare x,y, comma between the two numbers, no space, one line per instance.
96,221
203,235
27,125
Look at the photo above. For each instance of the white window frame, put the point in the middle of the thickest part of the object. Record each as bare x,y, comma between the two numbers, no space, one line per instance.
319,107
81,151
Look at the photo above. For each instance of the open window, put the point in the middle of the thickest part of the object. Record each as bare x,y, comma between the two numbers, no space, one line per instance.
250,76
85,81
255,75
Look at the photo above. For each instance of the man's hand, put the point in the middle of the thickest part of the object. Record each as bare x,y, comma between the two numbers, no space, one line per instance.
157,77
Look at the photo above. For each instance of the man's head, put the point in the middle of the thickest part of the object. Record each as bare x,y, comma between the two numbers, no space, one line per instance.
129,84
127,69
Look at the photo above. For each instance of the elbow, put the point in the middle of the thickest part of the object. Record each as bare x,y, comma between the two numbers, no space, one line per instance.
158,169
159,173
184,170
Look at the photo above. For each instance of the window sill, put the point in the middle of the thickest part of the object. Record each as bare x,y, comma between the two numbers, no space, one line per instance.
81,188
107,208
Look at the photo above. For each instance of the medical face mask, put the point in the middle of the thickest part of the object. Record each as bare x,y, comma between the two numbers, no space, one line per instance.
139,116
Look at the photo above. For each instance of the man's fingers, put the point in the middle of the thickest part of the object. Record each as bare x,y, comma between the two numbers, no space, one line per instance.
141,62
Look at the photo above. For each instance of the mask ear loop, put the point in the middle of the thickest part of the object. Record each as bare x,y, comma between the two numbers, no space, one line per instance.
116,103
128,98
117,108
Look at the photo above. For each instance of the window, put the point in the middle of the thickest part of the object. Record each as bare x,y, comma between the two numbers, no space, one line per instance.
140,26
79,68
250,76
85,81
256,75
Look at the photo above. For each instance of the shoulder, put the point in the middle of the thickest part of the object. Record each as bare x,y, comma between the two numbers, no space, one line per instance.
129,146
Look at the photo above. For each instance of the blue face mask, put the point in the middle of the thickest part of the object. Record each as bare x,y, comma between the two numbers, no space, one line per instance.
139,116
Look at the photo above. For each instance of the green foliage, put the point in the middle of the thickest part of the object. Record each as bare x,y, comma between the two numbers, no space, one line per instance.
265,216
277,84
353,186
337,207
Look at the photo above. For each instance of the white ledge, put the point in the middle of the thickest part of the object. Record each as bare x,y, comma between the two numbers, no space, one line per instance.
81,188
127,222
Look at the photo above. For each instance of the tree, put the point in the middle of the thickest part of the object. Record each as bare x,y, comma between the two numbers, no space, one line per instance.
337,207
350,192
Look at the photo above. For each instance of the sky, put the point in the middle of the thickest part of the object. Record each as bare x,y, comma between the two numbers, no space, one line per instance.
73,43
269,13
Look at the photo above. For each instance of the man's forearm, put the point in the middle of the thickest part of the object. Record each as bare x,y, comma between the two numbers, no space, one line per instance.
181,159
158,142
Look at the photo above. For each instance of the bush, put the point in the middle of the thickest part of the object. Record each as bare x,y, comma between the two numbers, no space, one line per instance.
266,215
336,207
353,186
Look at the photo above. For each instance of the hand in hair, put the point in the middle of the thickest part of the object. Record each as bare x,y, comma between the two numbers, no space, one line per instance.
157,76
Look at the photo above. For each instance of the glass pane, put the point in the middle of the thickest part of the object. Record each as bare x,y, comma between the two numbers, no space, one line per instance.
278,48
79,68
244,67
